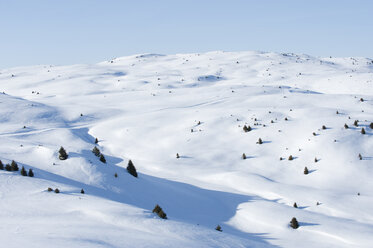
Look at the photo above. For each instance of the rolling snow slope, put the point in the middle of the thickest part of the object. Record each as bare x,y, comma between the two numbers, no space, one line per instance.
145,107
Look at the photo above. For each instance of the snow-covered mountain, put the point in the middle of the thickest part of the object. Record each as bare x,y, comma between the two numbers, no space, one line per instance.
149,108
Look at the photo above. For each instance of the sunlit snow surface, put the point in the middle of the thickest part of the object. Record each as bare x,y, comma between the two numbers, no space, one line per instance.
145,107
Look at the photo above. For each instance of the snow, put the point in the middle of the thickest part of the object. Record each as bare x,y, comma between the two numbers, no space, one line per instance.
145,107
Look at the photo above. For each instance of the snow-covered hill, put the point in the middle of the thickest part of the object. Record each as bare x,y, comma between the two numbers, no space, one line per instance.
148,108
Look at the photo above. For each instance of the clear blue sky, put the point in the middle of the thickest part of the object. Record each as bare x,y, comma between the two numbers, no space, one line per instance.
89,31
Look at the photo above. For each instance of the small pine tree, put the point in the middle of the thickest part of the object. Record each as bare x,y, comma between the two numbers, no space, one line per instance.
23,171
323,127
371,125
295,205
361,100
314,134
96,141
316,160
305,171
244,128
82,191
156,209
356,123
131,169
159,211
1,165
362,131
30,173
102,158
8,167
218,228
294,223
346,126
62,154
360,157
290,157
96,151
115,175
56,191
281,158
337,112
177,155
243,156
286,118
49,189
259,141
14,166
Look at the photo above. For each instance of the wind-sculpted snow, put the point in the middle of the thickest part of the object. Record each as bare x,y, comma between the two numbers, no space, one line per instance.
179,119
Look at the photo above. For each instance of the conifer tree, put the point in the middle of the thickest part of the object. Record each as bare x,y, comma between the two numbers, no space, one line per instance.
323,127
356,123
8,167
156,209
290,157
1,165
102,158
30,173
56,191
243,156
49,189
96,141
14,166
259,141
115,175
362,131
82,191
294,223
131,169
177,155
62,154
23,171
218,228
360,157
96,151
305,171
346,126
295,205
246,128
159,211
371,125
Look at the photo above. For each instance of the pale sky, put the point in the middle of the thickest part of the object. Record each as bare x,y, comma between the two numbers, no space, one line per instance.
88,31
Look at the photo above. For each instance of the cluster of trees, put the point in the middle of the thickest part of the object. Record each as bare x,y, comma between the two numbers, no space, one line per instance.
55,191
97,153
130,167
13,166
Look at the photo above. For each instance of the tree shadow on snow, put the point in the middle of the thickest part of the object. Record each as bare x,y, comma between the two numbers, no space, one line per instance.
182,202
308,224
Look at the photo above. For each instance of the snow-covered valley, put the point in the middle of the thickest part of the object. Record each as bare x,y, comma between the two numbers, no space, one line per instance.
149,109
